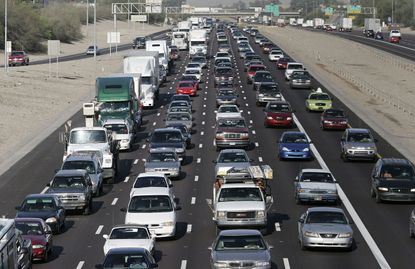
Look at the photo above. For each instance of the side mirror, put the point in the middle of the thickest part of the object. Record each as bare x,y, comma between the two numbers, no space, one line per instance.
105,236
177,208
214,161
296,179
301,220
18,208
210,248
270,247
269,199
123,209
48,185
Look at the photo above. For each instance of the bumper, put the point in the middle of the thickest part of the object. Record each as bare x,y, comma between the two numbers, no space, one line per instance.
226,102
334,126
148,102
108,172
231,143
241,222
39,253
264,100
255,267
318,108
397,197
74,205
328,242
162,232
279,123
295,155
188,92
315,197
360,154
125,145
16,61
168,173
300,85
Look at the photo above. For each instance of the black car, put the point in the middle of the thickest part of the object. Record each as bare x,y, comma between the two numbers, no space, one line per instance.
139,42
226,96
393,179
261,77
133,257
223,74
185,132
44,206
168,138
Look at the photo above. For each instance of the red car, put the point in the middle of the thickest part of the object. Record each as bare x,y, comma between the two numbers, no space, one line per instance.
18,57
252,69
334,119
394,39
282,63
187,87
278,114
39,233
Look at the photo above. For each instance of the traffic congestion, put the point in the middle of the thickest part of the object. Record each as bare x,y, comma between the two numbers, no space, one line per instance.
212,149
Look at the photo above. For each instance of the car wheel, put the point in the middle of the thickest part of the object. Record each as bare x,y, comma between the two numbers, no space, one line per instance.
411,233
302,245
377,198
297,200
344,157
87,210
46,257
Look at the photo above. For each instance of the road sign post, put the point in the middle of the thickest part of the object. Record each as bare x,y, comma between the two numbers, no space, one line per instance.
54,50
113,38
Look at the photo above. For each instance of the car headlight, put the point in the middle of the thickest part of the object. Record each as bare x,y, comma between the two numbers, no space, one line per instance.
269,118
261,95
306,149
51,220
168,223
345,235
38,247
108,160
220,265
289,118
262,263
82,197
303,190
244,135
124,140
412,190
285,149
221,214
383,189
310,234
331,191
260,214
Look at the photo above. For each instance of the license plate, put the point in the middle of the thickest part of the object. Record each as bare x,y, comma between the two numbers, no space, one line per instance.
232,143
320,107
317,198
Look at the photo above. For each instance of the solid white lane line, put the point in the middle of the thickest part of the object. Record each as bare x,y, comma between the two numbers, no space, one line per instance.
256,144
114,202
199,160
200,146
286,263
99,230
143,146
183,264
135,161
80,265
202,133
126,179
45,190
277,227
193,201
260,159
189,228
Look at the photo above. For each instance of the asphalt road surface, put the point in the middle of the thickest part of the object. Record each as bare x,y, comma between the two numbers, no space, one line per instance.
80,245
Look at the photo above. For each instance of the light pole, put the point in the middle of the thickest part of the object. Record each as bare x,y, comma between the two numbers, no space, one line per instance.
392,13
374,9
6,60
95,32
87,14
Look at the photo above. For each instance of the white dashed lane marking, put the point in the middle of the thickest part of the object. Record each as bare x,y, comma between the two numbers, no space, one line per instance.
193,201
99,230
114,202
80,265
183,264
126,179
189,228
200,146
198,160
260,159
256,144
135,161
277,227
286,263
196,178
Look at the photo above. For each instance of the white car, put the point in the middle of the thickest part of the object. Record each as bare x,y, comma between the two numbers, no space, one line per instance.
291,67
275,55
222,54
124,132
127,236
230,111
194,65
242,39
154,208
395,33
194,71
152,180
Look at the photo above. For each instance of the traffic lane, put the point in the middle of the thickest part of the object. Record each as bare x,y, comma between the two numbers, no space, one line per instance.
355,174
286,213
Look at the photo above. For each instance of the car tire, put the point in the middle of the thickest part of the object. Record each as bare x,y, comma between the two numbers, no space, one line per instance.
344,157
46,257
87,210
377,198
297,200
302,245
411,233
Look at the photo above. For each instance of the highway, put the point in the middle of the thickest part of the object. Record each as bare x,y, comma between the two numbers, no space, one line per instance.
80,246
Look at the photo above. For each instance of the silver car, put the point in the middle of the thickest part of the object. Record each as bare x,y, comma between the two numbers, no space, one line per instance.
325,227
184,118
315,185
240,249
357,144
163,160
231,158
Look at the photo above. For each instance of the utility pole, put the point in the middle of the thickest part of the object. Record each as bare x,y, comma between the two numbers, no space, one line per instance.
374,9
95,30
6,60
87,15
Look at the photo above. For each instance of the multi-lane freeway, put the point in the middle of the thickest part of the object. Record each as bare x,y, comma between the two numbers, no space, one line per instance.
381,230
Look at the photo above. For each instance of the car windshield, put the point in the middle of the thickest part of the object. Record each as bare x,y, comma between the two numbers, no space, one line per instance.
276,52
300,75
243,242
124,261
228,109
295,66
359,138
178,117
162,157
271,88
256,68
178,97
331,113
73,165
88,136
326,217
17,53
263,77
193,65
129,233
68,182
178,109
224,71
226,92
295,138
233,157
169,137
150,203
179,103
118,128
319,96
185,85
283,60
38,204
398,172
114,107
240,194
29,228
150,181
316,177
279,107
237,123
192,71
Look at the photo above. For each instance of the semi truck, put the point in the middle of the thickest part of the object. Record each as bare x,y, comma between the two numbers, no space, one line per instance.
161,47
318,23
197,41
372,26
184,26
180,40
145,63
345,25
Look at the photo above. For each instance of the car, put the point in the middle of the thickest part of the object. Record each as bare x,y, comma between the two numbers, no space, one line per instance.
325,227
267,92
124,133
39,233
219,60
184,118
125,236
275,54
193,78
154,208
194,71
294,145
168,138
152,180
220,54
241,39
181,97
262,41
222,37
93,49
395,33
393,179
377,35
231,132
180,102
226,96
300,79
251,59
369,33
291,67
193,65
240,248
224,48
358,144
229,111
282,63
201,60
334,119
89,162
254,32
174,53
74,189
315,185
318,101
252,69
187,87
261,77
131,257
223,74
243,51
394,39
44,206
229,159
139,42
163,160
266,47
185,132
182,109
18,57
258,39
278,114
